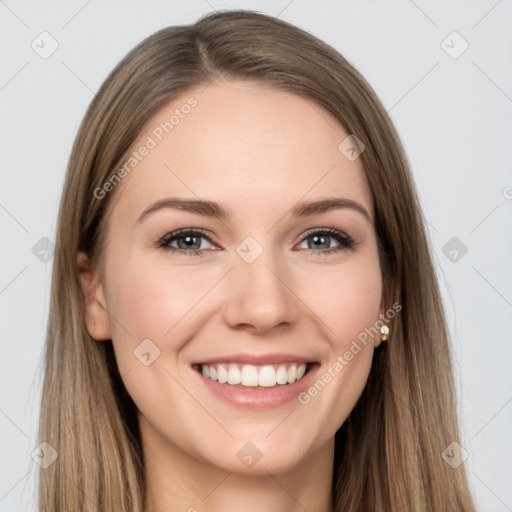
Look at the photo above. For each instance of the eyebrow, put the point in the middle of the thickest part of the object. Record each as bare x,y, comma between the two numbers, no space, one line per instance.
218,210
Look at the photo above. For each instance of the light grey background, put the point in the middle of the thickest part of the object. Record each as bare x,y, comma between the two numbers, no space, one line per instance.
454,116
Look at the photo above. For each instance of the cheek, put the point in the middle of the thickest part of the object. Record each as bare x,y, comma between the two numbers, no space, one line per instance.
154,301
348,301
151,301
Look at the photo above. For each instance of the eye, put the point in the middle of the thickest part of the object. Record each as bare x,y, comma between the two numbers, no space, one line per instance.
320,239
188,241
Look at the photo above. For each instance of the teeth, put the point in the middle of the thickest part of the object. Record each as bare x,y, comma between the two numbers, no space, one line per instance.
292,373
222,374
251,376
267,377
282,375
233,374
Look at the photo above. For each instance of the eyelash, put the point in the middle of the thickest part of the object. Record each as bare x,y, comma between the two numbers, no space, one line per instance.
347,243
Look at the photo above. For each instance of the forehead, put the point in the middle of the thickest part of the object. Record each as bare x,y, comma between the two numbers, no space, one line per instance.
241,143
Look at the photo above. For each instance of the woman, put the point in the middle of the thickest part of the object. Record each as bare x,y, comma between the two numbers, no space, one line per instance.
266,372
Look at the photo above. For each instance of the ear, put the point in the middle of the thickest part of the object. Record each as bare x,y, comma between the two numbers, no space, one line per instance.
96,317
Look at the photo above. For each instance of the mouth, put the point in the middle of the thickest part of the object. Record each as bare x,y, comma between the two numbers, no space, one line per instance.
257,382
255,376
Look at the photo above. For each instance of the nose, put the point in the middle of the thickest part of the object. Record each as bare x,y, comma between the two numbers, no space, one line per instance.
260,295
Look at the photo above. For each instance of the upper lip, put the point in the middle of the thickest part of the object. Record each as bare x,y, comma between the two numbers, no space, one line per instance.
255,359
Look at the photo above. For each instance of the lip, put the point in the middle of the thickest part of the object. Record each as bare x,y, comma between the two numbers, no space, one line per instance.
250,398
255,359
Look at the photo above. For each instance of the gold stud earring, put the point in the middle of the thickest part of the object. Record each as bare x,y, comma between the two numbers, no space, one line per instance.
384,330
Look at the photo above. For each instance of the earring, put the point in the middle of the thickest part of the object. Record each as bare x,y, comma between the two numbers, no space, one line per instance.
384,330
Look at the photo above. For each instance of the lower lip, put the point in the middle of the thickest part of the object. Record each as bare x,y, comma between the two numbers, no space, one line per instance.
252,398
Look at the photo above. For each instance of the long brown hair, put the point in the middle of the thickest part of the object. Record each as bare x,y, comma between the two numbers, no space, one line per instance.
388,453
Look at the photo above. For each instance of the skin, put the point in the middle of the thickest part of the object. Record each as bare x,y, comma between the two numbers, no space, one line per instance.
259,151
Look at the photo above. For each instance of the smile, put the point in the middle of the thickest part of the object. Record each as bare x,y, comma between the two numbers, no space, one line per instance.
249,375
256,381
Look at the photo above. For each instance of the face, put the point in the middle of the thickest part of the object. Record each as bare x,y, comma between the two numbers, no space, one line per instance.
238,328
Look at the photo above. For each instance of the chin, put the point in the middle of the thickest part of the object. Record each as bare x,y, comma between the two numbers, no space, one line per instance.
263,453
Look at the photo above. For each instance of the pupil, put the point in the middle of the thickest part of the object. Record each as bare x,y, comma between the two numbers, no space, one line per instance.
318,238
190,240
